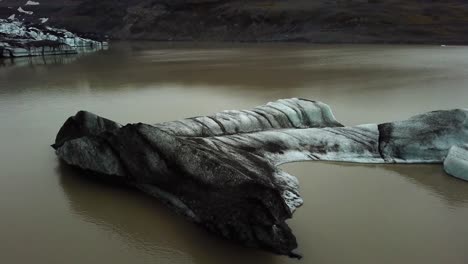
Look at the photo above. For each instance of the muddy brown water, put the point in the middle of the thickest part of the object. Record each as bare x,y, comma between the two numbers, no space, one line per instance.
352,213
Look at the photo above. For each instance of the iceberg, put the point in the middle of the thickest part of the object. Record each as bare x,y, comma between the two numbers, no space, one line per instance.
221,171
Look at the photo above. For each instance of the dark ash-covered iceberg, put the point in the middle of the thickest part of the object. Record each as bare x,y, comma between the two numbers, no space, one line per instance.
221,171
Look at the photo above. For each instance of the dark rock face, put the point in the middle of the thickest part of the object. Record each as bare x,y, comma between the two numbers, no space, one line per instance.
221,171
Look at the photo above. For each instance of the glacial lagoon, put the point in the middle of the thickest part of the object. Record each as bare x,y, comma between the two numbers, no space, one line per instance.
351,213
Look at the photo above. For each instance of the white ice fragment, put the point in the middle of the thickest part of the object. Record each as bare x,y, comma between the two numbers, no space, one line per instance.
21,10
456,162
43,19
32,3
11,17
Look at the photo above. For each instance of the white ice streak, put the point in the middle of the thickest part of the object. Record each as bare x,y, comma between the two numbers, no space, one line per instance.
32,3
21,10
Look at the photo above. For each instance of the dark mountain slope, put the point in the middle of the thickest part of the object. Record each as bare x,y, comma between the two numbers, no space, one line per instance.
411,21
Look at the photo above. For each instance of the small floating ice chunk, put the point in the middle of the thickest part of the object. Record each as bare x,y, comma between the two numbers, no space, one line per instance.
43,19
456,162
21,10
32,3
11,17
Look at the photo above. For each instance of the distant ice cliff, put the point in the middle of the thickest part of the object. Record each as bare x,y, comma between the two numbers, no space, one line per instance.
19,39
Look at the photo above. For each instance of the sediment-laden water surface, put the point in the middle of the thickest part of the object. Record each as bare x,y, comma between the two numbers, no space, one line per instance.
352,213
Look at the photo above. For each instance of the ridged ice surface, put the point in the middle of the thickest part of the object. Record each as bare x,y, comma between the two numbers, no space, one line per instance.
285,113
221,171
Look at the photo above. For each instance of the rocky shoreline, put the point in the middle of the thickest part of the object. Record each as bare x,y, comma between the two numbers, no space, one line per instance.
221,171
19,39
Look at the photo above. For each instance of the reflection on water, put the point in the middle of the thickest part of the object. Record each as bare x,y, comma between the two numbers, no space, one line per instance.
176,241
147,225
454,191
48,60
181,65
352,213
37,61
